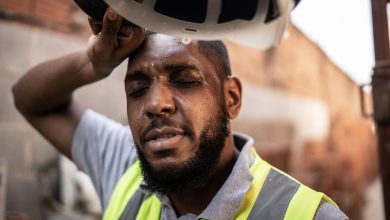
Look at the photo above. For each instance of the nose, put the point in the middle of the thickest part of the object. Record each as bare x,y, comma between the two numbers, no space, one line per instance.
159,101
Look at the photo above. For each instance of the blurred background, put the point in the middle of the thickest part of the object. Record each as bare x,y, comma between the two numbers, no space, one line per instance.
301,104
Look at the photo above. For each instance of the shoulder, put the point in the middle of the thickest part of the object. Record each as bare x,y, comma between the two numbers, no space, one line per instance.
103,149
327,211
104,142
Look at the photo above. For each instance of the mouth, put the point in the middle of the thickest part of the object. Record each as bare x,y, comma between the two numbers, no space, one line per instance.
163,139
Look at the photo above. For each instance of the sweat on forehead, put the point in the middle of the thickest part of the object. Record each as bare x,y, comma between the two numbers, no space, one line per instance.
159,48
163,40
214,51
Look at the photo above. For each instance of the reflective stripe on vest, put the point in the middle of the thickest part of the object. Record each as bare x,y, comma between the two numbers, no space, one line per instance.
124,190
142,206
271,195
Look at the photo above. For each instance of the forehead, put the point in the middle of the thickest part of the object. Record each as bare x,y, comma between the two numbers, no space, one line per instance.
162,49
160,45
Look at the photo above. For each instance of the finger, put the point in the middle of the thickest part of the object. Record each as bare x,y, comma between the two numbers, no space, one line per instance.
125,31
111,25
125,41
96,26
131,42
91,39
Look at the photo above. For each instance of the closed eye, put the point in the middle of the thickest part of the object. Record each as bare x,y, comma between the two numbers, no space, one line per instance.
136,89
136,84
185,77
186,83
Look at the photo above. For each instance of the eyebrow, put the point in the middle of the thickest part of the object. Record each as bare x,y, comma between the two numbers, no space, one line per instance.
182,66
140,74
135,75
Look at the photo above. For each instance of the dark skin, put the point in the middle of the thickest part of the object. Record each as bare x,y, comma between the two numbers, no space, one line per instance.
179,83
167,79
44,94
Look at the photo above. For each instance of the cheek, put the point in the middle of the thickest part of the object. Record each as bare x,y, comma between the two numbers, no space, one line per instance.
134,110
134,120
199,110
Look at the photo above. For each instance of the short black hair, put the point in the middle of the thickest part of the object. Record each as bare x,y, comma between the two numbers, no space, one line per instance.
215,51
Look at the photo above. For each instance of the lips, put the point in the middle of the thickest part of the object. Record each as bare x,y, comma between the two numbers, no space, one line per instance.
163,138
163,133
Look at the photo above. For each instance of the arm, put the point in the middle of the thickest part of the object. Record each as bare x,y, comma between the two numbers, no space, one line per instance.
44,94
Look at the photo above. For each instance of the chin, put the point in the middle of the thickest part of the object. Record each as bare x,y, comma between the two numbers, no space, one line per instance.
167,162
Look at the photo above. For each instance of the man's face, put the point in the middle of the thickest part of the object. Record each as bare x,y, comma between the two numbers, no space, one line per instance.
175,107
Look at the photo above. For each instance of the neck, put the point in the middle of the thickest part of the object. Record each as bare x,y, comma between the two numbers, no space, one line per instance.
197,199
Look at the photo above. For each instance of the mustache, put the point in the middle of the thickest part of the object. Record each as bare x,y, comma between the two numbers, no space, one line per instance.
159,123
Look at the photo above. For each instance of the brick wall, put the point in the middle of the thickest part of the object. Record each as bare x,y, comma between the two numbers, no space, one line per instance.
53,14
341,164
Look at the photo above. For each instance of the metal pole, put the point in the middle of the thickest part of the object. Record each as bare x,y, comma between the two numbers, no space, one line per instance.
381,94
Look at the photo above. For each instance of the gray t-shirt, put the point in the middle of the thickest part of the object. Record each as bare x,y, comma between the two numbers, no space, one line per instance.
104,149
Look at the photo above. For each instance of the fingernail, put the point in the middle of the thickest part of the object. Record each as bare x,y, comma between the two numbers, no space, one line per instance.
112,15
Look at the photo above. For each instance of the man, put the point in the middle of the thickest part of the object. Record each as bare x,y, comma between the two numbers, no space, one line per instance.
180,99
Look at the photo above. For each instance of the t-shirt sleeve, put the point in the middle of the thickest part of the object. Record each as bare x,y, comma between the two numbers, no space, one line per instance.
103,149
327,211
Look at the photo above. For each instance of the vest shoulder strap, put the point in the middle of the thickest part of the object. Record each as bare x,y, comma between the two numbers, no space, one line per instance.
150,209
123,191
259,170
304,204
274,197
142,206
273,194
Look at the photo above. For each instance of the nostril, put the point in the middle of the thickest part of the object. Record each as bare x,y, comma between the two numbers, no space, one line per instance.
149,114
160,111
166,110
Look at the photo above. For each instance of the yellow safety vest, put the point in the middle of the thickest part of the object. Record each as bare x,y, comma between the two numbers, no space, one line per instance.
271,195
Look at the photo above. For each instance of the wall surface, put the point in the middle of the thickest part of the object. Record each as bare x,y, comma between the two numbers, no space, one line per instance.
31,159
316,108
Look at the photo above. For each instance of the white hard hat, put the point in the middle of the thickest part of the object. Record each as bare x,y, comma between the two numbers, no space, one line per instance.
255,23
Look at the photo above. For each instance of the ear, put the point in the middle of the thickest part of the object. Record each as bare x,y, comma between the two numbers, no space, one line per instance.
233,92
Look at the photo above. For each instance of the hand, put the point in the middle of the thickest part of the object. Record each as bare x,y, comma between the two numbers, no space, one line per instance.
112,42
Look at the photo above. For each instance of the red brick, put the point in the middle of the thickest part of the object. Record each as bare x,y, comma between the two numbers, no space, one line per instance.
343,163
21,6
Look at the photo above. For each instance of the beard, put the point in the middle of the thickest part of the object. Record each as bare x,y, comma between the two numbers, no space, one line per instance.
196,171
